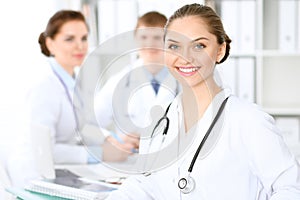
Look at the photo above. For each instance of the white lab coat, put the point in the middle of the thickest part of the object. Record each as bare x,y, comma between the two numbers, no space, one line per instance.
127,99
244,158
48,104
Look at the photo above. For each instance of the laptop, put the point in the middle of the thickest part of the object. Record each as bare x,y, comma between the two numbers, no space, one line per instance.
59,182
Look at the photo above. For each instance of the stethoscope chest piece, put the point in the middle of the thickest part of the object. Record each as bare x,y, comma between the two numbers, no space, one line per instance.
186,184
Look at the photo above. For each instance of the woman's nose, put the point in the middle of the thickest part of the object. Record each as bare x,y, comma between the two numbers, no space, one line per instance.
80,44
187,56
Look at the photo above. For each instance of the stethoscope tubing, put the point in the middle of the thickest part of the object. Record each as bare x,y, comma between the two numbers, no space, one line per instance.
187,184
207,134
68,96
165,131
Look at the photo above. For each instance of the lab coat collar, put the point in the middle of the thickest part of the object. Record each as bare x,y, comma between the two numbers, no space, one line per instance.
160,76
59,70
197,132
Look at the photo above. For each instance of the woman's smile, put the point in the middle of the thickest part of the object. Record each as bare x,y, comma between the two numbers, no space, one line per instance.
187,70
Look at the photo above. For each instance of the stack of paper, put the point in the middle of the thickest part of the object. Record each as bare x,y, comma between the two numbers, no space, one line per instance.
70,186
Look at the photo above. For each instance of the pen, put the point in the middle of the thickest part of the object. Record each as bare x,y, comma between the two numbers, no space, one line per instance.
116,136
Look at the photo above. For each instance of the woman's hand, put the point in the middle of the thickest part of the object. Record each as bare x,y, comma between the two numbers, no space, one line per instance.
115,150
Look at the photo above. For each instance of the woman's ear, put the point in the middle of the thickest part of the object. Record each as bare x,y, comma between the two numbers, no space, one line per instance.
221,52
49,45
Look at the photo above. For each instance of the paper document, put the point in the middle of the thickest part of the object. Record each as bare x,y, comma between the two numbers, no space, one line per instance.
71,186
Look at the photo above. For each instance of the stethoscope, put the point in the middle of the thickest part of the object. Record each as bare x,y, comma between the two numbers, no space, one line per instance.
187,184
78,138
165,121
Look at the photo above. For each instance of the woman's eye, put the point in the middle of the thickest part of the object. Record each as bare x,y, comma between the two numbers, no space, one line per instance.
173,47
85,38
199,46
69,39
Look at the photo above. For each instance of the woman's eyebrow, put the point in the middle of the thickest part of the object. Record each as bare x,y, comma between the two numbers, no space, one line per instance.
199,38
195,40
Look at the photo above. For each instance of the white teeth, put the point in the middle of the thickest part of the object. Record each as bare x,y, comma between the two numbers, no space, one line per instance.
187,70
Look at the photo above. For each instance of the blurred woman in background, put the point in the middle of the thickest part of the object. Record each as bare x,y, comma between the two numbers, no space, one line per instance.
65,43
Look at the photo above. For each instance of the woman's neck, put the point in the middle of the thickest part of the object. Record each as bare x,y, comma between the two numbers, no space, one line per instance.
195,101
68,69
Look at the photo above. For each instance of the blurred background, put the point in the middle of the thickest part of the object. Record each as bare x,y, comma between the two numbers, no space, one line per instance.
264,66
21,59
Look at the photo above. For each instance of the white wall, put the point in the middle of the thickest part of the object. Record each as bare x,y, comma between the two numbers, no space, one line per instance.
21,23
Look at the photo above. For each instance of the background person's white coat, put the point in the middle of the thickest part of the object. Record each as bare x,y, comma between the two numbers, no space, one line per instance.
128,98
48,104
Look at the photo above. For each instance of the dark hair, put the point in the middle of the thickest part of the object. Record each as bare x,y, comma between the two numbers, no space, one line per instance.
54,25
211,18
152,19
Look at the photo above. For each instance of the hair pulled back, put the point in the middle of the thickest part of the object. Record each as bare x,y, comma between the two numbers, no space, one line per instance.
54,25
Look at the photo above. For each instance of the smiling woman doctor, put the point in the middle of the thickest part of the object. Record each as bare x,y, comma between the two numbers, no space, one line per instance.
244,156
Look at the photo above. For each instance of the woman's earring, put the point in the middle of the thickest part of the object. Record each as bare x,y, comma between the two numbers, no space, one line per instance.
219,60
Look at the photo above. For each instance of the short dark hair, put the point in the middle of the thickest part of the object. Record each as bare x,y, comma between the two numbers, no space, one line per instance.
152,19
